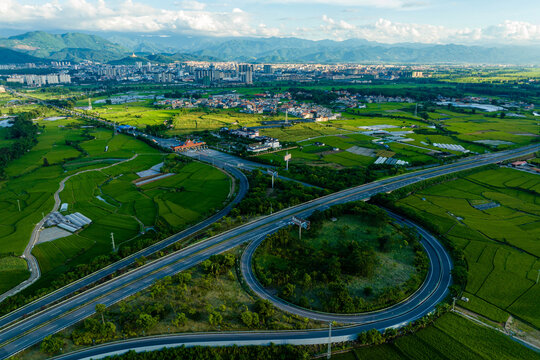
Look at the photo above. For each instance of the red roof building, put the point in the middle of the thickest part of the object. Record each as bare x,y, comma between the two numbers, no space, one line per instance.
518,163
188,145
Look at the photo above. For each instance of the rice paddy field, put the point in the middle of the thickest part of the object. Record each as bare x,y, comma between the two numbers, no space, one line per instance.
450,337
465,128
14,271
125,210
501,243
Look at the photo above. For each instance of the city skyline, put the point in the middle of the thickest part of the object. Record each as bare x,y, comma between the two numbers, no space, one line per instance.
387,21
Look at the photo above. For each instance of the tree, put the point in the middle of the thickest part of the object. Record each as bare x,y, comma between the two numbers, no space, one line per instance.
100,309
180,319
52,345
370,337
45,162
384,243
264,308
215,318
247,317
288,290
145,321
307,281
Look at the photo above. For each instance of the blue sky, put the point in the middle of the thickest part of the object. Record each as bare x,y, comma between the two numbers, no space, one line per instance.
390,21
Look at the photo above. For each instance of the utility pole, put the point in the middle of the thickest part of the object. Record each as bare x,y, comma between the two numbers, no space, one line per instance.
454,304
329,341
538,276
112,240
416,110
300,232
286,116
19,204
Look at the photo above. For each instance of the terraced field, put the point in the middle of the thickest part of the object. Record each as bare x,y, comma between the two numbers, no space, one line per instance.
501,244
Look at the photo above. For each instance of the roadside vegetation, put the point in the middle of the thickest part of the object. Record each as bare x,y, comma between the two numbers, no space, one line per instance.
210,297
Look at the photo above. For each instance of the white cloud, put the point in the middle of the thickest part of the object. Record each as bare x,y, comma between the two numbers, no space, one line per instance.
391,4
109,15
192,16
191,5
386,31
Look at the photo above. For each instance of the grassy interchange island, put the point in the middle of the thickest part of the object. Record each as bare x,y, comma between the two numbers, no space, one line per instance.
354,258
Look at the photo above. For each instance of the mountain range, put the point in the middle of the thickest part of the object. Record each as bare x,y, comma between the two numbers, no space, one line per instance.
117,48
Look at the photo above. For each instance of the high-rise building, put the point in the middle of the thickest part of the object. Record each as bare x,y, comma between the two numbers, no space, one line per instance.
268,69
245,73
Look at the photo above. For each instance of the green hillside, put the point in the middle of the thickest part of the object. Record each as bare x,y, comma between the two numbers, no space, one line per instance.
69,46
8,56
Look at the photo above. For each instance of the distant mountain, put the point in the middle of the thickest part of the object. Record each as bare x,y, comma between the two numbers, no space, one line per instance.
279,50
69,46
8,56
165,48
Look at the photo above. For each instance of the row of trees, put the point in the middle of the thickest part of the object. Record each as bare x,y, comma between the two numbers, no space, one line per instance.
271,352
24,133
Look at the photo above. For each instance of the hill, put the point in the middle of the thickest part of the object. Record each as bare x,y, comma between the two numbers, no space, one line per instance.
69,46
77,47
8,56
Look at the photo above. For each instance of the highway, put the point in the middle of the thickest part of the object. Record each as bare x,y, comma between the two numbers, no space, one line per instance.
31,330
59,294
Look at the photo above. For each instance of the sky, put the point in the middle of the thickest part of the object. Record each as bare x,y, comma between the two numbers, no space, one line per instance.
387,21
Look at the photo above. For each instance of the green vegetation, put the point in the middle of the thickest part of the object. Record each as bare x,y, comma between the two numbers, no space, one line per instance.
116,205
13,271
271,352
137,215
500,244
263,199
353,259
450,337
210,297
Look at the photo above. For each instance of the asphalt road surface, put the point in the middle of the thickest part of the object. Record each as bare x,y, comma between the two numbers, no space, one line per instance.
242,186
31,330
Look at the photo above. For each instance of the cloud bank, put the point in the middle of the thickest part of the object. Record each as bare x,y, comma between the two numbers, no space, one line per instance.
195,17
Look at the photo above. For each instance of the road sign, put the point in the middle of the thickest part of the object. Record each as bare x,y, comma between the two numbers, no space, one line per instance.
287,157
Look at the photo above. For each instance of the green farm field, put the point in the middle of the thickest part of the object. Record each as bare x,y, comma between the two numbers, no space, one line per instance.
118,206
501,244
13,271
125,210
451,337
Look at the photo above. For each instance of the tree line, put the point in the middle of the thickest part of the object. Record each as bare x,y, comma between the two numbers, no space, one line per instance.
24,133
